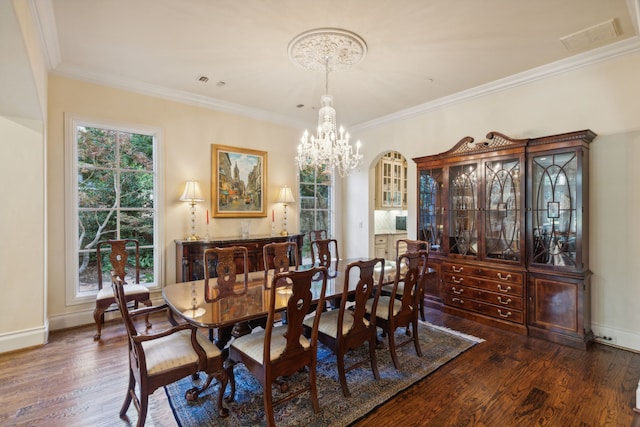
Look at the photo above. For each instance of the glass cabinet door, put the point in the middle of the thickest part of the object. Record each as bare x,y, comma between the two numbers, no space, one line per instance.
463,227
503,209
431,208
554,209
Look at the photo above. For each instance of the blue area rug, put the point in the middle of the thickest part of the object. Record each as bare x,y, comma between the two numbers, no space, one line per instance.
439,346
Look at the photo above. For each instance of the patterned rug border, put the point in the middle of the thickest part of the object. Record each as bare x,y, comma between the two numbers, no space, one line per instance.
207,404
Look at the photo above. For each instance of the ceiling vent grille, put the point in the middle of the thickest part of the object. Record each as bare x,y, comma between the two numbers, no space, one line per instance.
597,35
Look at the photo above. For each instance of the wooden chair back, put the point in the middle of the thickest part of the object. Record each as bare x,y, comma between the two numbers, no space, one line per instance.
318,235
228,262
118,257
279,257
323,252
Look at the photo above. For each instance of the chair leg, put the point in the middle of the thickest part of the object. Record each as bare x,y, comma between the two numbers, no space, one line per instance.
416,339
268,402
341,374
130,393
392,349
144,406
223,412
373,357
98,317
313,388
146,317
232,380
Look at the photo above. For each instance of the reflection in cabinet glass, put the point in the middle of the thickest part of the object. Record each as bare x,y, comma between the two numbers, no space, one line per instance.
463,188
555,209
431,208
502,211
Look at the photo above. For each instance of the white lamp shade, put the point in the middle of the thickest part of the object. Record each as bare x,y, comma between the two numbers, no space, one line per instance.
285,195
192,192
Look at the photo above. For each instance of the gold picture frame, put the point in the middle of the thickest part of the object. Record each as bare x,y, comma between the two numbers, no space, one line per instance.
238,182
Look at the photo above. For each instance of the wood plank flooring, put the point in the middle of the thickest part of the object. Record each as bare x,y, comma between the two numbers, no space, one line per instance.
509,380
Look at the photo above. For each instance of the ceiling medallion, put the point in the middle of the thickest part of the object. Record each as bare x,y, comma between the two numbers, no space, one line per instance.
311,49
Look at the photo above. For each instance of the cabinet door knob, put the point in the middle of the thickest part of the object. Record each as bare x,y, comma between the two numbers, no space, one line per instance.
458,281
458,300
457,291
507,314
508,277
457,270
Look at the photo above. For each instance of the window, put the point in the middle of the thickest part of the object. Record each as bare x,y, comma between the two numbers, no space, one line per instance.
316,196
113,188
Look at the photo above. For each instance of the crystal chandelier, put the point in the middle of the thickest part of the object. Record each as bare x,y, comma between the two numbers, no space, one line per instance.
330,49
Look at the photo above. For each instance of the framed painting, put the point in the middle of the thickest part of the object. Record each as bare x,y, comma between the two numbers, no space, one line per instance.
238,182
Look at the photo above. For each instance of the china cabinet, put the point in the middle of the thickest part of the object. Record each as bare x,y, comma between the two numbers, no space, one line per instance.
391,181
507,223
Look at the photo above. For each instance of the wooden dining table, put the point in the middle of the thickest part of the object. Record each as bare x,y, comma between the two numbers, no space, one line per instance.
244,309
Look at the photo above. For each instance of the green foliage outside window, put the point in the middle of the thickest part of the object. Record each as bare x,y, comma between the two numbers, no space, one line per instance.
115,198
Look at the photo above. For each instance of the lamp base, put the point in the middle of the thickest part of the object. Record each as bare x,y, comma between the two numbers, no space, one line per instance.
284,233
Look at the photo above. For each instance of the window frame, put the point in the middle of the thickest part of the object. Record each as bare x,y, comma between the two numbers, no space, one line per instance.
72,122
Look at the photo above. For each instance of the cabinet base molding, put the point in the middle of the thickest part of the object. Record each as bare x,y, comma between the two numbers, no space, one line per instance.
581,343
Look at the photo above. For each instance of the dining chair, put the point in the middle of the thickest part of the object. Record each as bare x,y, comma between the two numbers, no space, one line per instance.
404,246
279,257
134,292
228,263
164,357
395,311
347,327
279,351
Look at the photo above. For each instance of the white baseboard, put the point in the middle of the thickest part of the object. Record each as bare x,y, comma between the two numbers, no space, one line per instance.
616,337
24,339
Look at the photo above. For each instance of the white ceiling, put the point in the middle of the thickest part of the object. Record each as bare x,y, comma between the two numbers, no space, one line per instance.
419,51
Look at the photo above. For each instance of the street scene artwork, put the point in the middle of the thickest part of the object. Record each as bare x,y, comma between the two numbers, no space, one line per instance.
238,182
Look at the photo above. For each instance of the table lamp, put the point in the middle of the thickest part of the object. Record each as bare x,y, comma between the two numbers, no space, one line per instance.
192,195
285,197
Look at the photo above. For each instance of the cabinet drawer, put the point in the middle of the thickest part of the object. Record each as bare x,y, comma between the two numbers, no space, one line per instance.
381,239
508,301
504,313
497,274
513,289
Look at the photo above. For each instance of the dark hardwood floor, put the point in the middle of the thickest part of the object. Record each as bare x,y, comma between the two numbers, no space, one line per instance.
508,380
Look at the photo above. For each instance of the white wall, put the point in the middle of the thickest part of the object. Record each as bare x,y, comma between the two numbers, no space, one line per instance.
604,97
23,83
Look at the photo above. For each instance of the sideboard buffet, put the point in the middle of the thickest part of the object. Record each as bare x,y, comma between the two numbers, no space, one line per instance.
507,221
189,253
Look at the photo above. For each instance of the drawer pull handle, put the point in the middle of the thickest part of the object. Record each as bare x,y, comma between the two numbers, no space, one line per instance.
456,270
508,301
504,278
503,290
458,281
457,300
457,291
507,314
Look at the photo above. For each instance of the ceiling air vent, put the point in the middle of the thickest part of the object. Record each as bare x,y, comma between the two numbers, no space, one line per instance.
597,35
